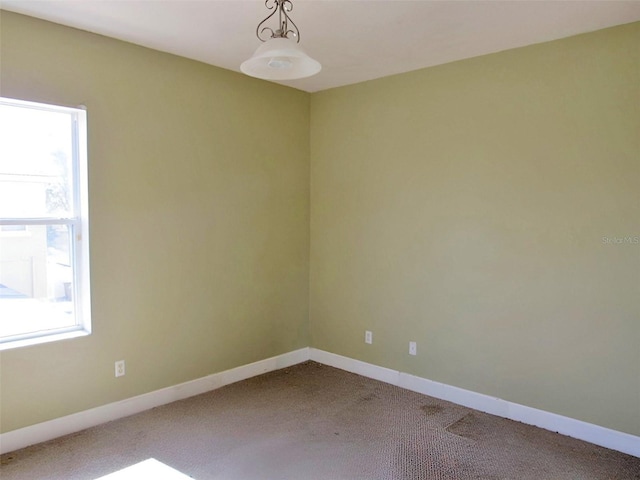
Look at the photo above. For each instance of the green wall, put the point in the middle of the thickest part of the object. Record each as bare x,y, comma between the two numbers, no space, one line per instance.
199,223
464,207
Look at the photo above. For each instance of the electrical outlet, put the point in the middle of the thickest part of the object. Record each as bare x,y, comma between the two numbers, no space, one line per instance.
120,368
368,337
413,348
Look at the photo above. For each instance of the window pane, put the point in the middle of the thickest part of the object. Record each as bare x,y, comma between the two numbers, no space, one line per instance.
44,236
36,149
36,279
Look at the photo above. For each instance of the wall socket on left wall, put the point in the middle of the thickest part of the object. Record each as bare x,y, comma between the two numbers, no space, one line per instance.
120,368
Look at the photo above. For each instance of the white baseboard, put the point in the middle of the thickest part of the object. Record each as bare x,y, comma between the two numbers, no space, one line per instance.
622,442
605,437
58,427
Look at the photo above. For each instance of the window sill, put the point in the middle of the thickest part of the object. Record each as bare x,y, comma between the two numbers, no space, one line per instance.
54,337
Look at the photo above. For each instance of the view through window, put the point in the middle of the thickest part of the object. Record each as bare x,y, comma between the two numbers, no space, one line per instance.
44,271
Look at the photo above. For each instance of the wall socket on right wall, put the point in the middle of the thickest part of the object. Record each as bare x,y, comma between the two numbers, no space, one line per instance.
413,348
368,337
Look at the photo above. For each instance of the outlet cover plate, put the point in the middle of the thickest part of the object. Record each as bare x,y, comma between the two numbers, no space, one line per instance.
120,368
368,337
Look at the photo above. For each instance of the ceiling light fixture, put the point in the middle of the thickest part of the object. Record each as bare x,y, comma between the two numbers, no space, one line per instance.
279,57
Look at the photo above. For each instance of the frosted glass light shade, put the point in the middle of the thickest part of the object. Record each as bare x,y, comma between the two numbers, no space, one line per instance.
280,59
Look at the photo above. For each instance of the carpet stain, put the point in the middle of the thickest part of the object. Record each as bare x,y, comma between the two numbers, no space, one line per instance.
430,410
467,427
368,398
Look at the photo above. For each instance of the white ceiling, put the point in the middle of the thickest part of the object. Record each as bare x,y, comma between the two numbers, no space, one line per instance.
355,40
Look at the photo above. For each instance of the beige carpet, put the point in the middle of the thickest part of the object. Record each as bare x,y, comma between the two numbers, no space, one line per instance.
316,422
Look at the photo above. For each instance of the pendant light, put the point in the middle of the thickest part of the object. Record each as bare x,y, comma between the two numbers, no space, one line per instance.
279,57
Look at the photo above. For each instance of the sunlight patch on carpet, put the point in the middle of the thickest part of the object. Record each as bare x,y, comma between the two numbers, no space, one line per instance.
150,468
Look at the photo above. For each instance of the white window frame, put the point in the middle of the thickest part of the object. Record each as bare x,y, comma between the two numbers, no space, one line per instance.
78,224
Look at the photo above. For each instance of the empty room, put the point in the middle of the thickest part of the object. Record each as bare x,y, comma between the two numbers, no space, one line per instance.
319,240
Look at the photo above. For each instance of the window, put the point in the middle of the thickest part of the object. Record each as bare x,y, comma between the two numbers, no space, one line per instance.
44,240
